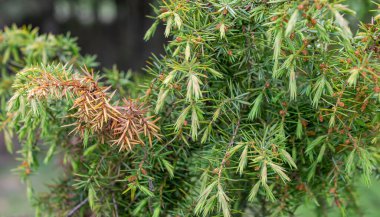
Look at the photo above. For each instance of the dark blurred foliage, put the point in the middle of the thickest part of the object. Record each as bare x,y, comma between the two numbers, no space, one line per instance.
111,29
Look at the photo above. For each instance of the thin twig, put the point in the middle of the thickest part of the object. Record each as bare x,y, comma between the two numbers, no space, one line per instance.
115,205
226,155
72,212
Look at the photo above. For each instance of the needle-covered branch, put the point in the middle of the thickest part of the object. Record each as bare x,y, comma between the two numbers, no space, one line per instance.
263,105
124,125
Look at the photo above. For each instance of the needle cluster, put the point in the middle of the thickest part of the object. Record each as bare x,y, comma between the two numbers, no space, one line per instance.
123,124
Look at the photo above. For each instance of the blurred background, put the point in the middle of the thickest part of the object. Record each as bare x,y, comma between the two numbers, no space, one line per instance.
113,30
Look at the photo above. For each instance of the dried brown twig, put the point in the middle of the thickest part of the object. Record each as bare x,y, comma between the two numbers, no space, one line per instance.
123,125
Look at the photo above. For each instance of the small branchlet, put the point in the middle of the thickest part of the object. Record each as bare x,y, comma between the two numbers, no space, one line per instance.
123,125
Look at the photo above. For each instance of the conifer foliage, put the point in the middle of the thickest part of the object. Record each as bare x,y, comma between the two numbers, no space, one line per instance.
21,47
255,108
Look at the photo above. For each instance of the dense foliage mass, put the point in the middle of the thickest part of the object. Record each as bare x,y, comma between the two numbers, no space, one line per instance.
256,107
21,47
